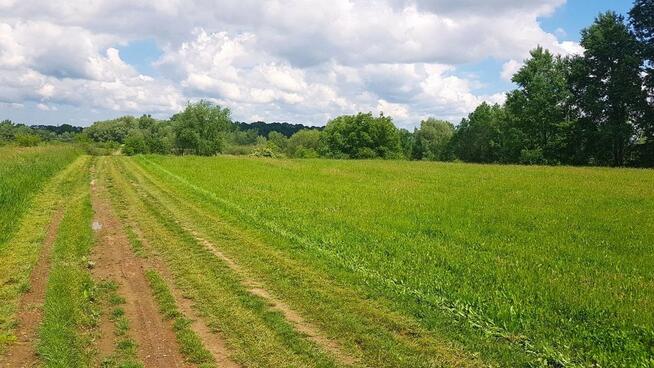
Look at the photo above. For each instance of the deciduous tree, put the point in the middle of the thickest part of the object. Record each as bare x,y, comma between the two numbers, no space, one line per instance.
607,85
361,136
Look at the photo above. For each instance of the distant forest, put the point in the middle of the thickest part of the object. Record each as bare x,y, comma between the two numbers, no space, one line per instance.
264,129
591,109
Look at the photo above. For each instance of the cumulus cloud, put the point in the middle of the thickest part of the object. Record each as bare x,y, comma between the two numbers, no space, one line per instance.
47,63
304,61
510,68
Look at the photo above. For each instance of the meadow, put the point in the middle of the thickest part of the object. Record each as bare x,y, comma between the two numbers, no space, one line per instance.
555,263
251,262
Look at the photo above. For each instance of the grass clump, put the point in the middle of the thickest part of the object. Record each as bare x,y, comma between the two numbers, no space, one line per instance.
125,355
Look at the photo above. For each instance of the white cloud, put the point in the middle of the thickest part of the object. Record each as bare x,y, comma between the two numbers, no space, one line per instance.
51,64
397,111
44,107
510,68
304,61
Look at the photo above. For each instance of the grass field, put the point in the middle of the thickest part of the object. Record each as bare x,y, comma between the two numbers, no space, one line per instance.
556,261
246,262
23,172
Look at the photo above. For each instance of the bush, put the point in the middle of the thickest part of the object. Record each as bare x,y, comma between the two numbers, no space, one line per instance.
532,157
304,144
263,151
306,153
238,150
27,139
135,143
361,136
100,149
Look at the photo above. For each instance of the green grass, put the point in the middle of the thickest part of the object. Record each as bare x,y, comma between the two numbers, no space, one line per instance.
190,344
257,335
399,263
368,331
70,311
124,355
525,265
23,172
20,252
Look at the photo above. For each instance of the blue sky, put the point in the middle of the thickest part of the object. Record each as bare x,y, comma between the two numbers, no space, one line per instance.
566,23
303,61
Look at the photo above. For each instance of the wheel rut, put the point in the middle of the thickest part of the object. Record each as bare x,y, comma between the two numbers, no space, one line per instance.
30,310
254,287
114,260
297,321
212,341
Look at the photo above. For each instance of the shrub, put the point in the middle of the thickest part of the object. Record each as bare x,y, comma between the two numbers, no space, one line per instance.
361,136
532,157
27,139
263,151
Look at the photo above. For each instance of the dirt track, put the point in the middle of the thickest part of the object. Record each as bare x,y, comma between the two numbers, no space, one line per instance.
30,312
212,341
115,260
299,323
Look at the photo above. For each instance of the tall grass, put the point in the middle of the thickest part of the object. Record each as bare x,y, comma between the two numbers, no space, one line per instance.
23,172
556,261
25,217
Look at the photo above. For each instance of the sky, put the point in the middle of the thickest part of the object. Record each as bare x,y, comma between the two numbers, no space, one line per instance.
301,61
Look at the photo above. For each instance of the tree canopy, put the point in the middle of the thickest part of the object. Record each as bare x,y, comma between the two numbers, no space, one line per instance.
607,85
199,128
432,139
361,136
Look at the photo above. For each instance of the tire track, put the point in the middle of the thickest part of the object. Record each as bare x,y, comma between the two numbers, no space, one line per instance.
310,331
30,314
295,319
405,331
114,260
212,341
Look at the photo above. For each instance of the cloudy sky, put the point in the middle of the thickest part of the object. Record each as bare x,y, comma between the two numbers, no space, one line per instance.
305,61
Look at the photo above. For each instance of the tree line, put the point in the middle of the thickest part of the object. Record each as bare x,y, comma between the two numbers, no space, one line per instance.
591,109
596,108
25,135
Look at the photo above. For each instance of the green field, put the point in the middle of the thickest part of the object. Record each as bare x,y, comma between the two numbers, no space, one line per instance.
330,263
556,263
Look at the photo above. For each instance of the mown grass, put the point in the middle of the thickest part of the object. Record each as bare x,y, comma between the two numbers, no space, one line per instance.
258,335
70,311
23,172
27,219
371,334
192,347
555,262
